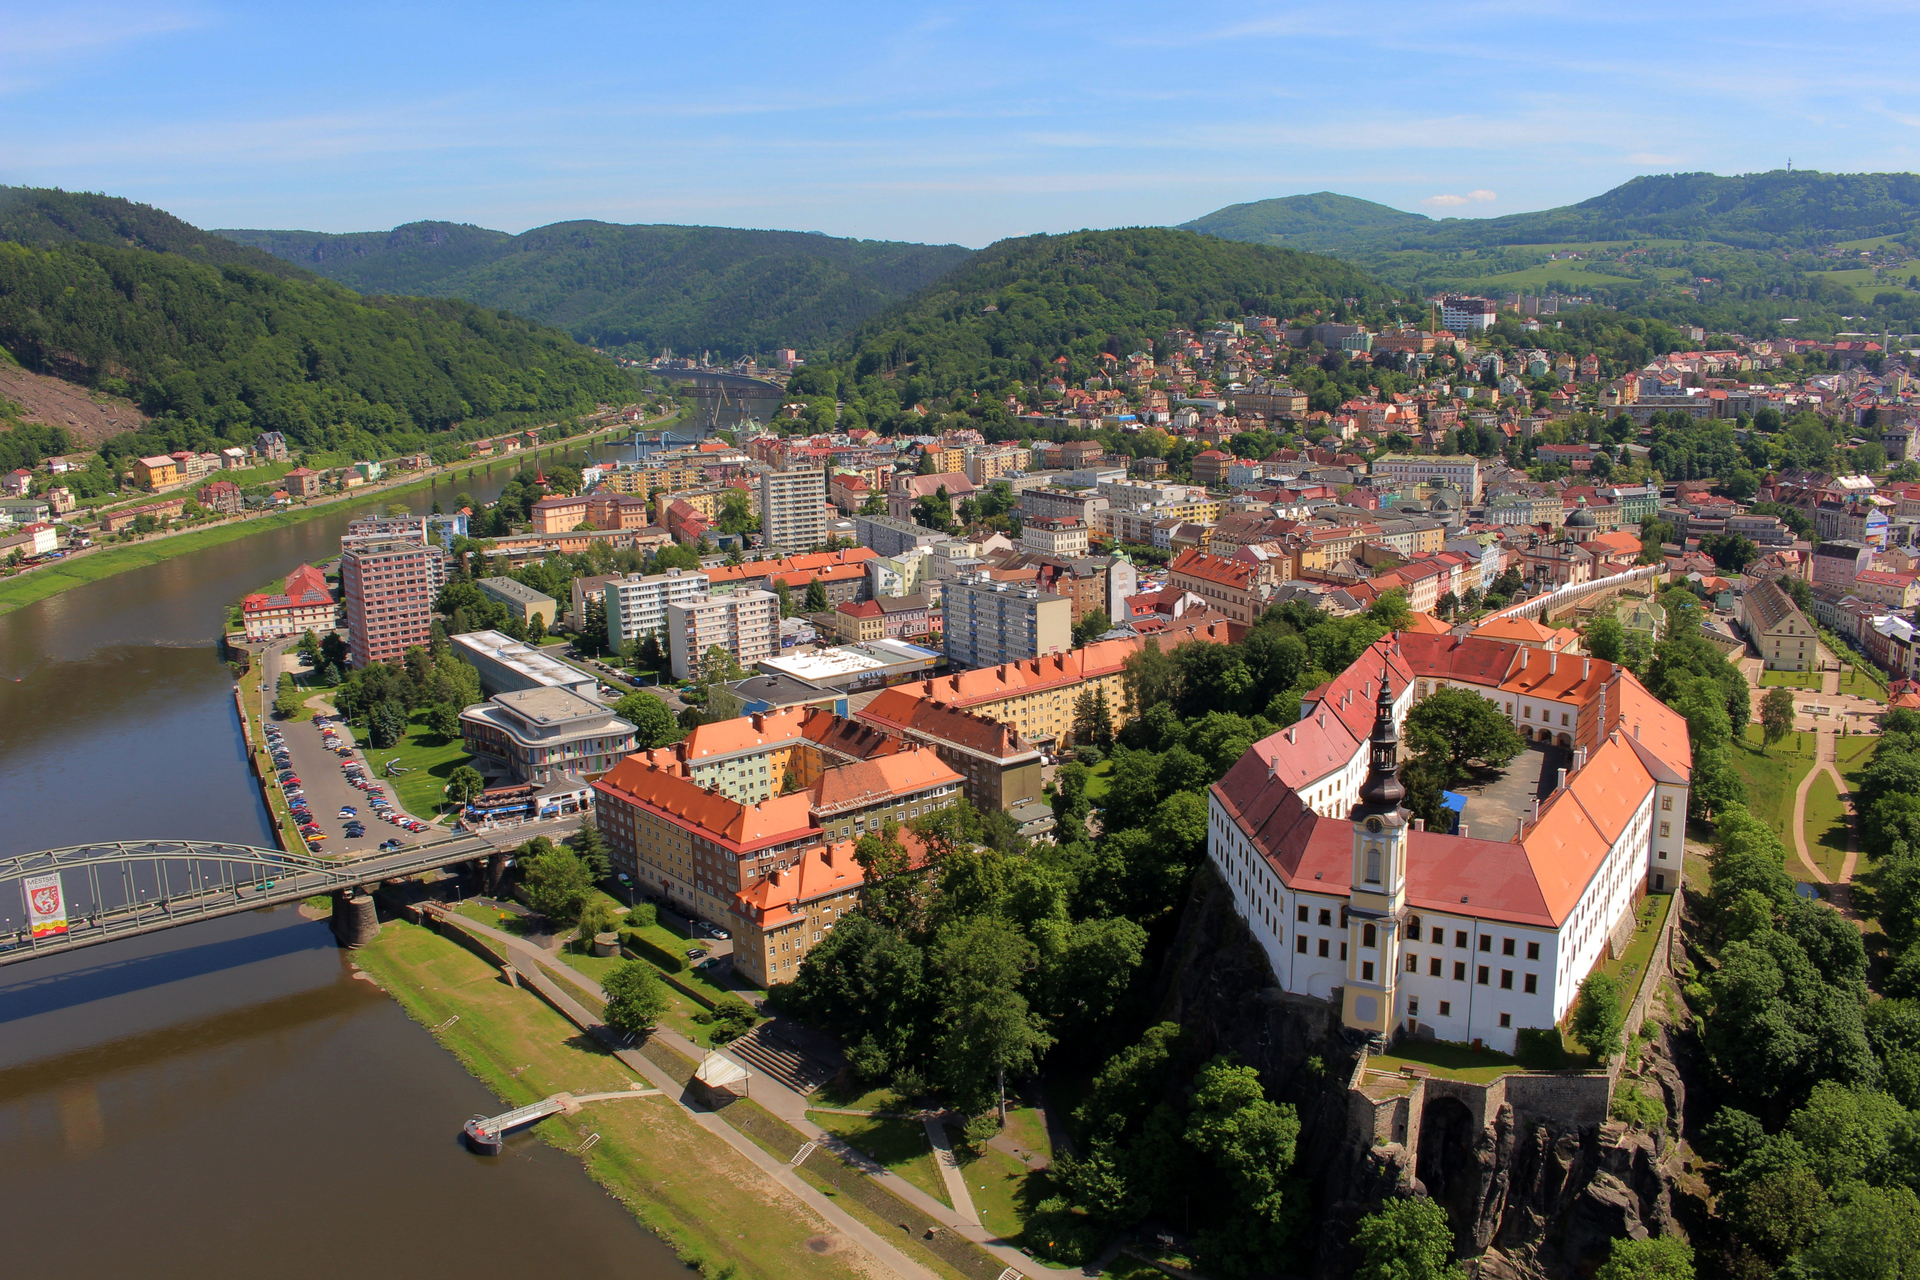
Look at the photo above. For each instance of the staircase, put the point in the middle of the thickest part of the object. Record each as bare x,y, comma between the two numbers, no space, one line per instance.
778,1059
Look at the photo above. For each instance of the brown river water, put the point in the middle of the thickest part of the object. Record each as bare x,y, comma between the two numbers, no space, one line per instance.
224,1099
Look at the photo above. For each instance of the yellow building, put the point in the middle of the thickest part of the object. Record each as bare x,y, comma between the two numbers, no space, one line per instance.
156,472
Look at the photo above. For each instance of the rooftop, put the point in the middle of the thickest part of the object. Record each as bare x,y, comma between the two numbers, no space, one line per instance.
523,659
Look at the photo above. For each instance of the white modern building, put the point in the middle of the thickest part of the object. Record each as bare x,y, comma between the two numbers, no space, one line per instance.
746,624
793,508
637,604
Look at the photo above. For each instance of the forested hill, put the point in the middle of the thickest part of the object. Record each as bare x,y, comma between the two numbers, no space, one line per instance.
731,291
217,353
1322,221
1020,304
44,216
1784,208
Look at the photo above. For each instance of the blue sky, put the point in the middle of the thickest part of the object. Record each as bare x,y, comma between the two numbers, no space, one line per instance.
942,122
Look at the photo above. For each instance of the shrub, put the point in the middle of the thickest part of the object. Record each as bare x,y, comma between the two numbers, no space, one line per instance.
644,916
656,955
1638,1107
1540,1049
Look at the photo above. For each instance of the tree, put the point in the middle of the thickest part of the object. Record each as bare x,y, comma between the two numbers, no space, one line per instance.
736,513
593,850
1406,1240
816,596
1249,1140
1093,719
1655,1258
1447,605
1091,627
989,1031
1606,639
310,648
444,720
558,881
387,722
1598,1022
652,722
464,783
635,997
1456,726
1776,713
648,654
537,628
286,700
397,511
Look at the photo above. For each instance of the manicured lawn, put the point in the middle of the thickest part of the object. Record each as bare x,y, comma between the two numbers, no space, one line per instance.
901,1145
854,1096
1027,1129
1827,825
428,758
1444,1058
1100,781
1631,967
1005,1191
675,1177
1854,750
1858,682
1772,777
1791,679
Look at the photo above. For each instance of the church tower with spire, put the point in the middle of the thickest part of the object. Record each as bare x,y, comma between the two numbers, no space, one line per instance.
1377,906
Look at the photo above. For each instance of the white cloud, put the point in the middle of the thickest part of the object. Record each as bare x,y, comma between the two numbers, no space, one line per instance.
1478,196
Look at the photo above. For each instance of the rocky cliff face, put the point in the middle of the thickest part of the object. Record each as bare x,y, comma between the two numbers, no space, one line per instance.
1528,1198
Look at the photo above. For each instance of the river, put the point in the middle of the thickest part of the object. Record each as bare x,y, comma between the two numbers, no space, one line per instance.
225,1099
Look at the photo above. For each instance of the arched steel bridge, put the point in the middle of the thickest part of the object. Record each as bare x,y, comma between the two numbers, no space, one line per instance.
120,889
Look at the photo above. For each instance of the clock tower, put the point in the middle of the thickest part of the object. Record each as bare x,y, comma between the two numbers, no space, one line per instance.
1376,909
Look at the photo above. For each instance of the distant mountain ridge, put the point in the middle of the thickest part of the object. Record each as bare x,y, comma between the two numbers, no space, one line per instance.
689,288
43,217
1760,210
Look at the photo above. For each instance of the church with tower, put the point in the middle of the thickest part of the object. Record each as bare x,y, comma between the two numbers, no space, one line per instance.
1452,937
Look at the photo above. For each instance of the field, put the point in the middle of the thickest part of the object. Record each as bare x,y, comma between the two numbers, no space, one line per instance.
1453,1061
1772,778
1790,679
1004,1190
901,1145
1827,826
683,1182
429,760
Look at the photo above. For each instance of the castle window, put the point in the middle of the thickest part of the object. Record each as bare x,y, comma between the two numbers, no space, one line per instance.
1533,951
1486,942
1446,1008
1413,964
1326,918
1506,1019
1368,938
1532,983
1413,928
1439,936
1366,971
1323,948
1666,803
1300,943
1666,828
1484,975
1373,866
1433,966
1459,937
1303,915
1413,1008
1343,951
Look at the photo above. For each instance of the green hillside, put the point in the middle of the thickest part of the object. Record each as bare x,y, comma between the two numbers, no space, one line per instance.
218,352
647,287
1802,252
1321,221
44,216
1001,321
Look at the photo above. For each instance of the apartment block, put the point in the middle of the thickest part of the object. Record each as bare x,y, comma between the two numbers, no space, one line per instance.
793,508
637,604
389,590
521,600
989,623
745,624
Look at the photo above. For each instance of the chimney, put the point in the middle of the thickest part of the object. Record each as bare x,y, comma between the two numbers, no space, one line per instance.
1553,663
1273,767
1536,808
1323,719
1419,824
1562,784
1519,828
1290,732
1463,831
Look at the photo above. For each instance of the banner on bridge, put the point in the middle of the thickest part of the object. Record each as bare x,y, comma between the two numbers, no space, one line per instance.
46,905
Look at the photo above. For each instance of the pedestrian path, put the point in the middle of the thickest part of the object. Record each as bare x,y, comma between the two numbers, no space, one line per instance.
1826,760
950,1171
790,1106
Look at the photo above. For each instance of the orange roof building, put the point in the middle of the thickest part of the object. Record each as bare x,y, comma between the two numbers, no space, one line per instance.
1467,937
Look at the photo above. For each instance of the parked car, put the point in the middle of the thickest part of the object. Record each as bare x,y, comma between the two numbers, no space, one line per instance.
694,953
393,844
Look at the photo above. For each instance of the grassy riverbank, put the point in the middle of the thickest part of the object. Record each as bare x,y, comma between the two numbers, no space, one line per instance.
104,562
689,1187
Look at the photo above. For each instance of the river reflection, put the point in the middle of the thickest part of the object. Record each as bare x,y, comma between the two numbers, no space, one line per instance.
226,1099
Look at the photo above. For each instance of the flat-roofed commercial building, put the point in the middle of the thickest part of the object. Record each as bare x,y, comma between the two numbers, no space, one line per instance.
745,624
506,664
857,666
541,735
637,604
988,622
521,600
890,537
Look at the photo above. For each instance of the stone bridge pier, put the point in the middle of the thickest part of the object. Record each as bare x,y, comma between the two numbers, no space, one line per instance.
354,923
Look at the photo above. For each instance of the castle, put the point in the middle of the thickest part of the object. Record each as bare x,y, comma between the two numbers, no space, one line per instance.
1457,937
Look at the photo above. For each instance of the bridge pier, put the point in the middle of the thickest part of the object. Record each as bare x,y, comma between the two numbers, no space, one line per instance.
355,922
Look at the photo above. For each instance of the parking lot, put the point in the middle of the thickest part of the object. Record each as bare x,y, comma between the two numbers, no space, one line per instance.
323,782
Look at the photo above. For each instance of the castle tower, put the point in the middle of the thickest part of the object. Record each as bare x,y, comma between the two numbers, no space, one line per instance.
1376,908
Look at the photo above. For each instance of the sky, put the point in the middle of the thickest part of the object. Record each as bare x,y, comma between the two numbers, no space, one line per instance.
937,123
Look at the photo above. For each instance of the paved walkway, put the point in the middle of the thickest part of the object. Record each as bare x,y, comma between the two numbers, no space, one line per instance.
783,1102
950,1171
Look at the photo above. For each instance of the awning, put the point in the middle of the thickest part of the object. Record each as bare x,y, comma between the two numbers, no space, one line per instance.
718,1071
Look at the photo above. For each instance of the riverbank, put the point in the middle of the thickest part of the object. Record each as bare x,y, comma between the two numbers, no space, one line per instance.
687,1186
105,562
